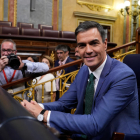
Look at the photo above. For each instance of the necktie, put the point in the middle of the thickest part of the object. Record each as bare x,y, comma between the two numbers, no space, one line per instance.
89,97
89,94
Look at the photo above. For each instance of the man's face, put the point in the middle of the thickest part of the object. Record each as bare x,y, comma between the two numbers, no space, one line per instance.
77,53
91,48
7,48
61,55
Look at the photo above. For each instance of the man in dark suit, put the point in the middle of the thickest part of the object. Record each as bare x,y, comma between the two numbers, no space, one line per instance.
114,99
63,58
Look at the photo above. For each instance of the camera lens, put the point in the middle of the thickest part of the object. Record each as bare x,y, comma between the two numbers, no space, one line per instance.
13,61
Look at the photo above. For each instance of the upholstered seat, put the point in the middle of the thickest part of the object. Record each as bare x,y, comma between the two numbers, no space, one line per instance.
41,26
133,61
25,25
9,30
67,34
6,23
30,32
50,33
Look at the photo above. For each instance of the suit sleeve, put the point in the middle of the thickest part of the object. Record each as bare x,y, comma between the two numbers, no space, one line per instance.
118,96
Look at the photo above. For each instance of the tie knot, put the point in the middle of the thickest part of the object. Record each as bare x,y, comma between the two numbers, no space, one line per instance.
91,77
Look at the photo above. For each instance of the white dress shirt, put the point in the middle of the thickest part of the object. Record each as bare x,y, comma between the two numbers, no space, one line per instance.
97,73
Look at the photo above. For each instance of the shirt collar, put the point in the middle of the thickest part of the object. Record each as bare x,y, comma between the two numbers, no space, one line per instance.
63,62
98,71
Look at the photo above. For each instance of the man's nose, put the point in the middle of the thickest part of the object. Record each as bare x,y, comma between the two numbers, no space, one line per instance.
89,48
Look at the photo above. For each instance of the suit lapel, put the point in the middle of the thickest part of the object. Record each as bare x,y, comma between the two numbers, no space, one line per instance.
67,60
56,63
82,90
104,73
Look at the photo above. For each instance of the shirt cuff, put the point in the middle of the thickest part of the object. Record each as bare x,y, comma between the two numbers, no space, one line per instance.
41,105
48,117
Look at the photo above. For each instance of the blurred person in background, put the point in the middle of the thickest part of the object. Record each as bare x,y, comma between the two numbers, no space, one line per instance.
10,71
63,52
47,86
32,58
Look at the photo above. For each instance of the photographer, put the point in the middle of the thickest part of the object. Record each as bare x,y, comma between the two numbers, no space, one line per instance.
11,66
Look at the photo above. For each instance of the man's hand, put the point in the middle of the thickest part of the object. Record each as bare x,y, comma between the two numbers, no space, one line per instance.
34,108
3,62
21,64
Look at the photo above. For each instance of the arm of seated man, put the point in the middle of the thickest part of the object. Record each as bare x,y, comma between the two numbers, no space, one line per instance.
34,108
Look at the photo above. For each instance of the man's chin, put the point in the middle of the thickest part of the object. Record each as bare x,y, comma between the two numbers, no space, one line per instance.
90,64
78,57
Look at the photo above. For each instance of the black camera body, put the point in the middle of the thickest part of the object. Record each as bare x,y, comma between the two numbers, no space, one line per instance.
13,61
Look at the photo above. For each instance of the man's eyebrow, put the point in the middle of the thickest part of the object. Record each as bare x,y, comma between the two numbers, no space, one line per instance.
95,40
82,43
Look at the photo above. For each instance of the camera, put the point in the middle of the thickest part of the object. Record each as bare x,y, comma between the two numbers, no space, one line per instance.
13,61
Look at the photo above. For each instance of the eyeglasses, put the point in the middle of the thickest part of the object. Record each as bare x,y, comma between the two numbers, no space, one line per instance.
8,51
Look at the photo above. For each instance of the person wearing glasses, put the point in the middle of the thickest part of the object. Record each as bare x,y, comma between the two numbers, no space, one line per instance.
7,73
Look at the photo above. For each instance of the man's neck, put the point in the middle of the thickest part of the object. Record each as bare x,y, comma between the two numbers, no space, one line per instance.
64,61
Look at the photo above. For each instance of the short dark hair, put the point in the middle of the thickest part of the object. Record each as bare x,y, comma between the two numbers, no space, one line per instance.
62,47
84,26
34,58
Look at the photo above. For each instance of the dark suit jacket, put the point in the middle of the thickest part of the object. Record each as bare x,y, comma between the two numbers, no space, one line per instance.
68,69
114,109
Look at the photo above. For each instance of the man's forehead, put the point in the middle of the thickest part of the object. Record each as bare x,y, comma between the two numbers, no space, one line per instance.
91,31
58,51
8,43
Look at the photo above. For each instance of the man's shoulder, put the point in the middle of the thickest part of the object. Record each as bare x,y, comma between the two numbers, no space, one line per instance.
56,63
83,69
118,64
119,67
69,60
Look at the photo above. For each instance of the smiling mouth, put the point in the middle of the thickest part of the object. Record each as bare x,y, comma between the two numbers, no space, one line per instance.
90,58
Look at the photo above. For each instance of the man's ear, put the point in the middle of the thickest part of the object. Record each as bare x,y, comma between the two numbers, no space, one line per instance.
15,52
67,52
105,43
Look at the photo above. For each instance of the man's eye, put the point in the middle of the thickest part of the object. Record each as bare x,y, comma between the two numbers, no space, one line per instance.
93,43
81,46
